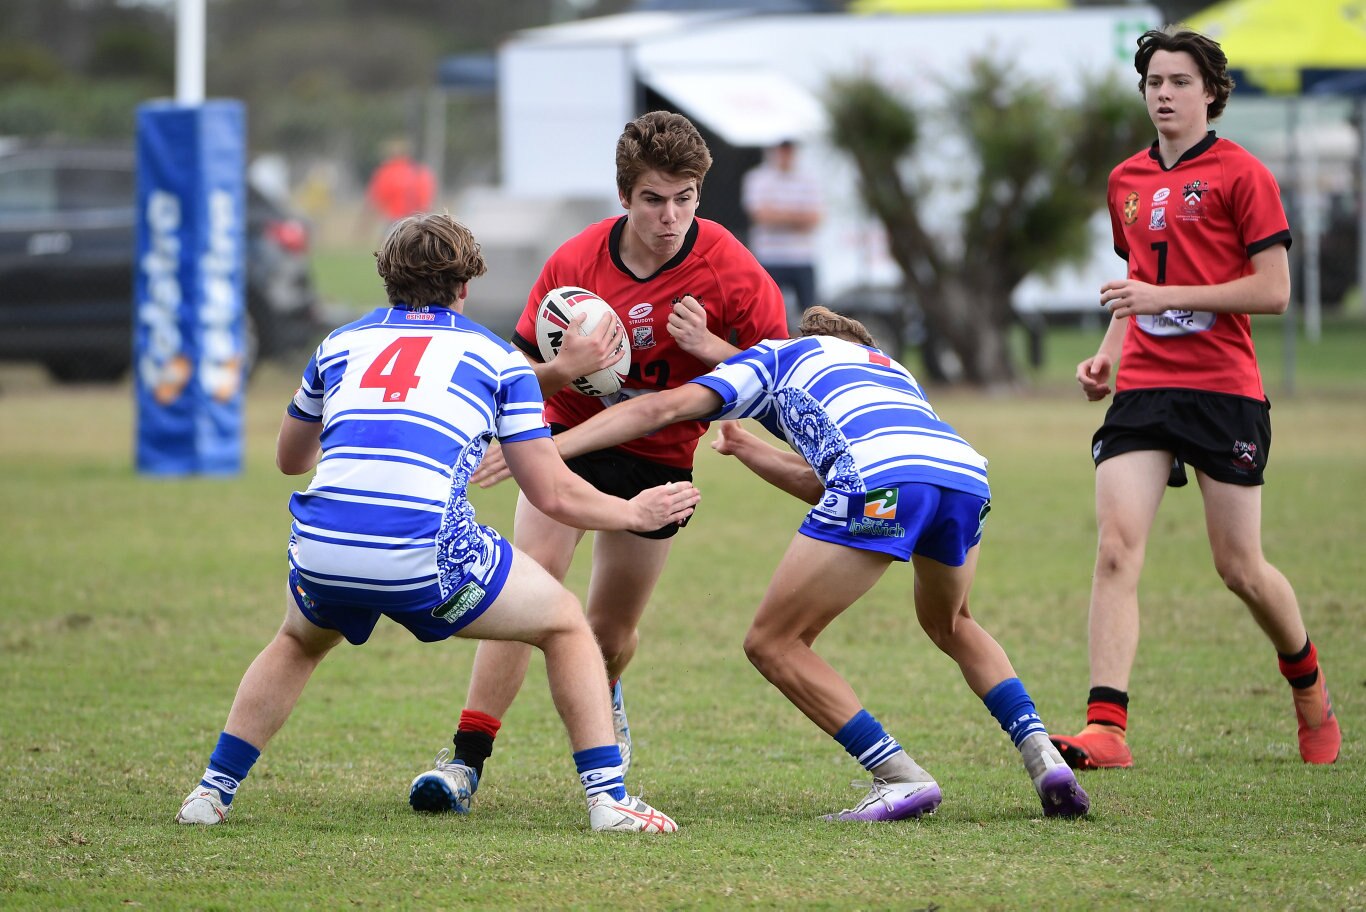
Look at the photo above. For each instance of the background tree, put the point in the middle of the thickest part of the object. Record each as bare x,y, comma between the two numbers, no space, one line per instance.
1041,172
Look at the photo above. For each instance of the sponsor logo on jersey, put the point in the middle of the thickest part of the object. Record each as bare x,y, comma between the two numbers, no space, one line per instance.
1175,322
1161,195
1158,220
640,311
455,607
1131,207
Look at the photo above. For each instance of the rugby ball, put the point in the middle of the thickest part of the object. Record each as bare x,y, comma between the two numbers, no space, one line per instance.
556,314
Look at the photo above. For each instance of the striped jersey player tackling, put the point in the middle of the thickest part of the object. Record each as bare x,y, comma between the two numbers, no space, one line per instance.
396,411
889,481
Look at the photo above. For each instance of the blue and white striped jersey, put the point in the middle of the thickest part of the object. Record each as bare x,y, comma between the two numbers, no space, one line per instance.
859,418
409,401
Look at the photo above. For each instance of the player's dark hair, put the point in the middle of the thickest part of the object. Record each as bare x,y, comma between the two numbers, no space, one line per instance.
1209,57
822,321
660,141
425,259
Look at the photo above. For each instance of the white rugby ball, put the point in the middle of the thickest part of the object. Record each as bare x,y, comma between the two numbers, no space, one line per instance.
556,314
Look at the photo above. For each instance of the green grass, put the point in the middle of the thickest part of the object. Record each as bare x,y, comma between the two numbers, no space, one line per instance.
346,279
132,606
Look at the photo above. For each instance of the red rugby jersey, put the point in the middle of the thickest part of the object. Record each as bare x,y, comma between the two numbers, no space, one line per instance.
1198,223
743,306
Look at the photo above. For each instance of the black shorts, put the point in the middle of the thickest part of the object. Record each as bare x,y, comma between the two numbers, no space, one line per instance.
617,472
1226,437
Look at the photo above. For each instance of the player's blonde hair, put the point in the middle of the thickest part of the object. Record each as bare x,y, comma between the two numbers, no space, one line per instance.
425,259
822,321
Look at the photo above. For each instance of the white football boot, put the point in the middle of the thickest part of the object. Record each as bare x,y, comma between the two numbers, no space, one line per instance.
630,815
203,806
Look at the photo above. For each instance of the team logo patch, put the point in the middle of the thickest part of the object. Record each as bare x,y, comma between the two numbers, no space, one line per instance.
1192,192
1158,220
880,503
1131,207
304,599
1244,454
642,337
465,598
879,516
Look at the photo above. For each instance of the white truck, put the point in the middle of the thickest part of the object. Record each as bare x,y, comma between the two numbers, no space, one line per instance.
750,80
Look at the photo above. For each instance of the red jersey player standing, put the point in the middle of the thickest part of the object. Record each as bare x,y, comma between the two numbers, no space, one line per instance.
1200,222
690,296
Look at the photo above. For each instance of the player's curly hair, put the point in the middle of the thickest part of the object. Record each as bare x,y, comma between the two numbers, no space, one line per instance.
822,321
1209,57
660,141
425,259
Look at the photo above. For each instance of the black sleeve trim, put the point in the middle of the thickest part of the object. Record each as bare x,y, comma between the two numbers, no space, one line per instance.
530,349
1281,237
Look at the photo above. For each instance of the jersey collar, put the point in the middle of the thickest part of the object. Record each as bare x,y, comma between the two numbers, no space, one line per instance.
614,248
1198,149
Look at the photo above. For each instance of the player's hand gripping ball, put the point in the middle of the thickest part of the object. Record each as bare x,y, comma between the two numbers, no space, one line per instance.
555,316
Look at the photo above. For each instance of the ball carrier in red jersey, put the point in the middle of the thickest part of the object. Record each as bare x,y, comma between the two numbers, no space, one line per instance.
1200,222
688,294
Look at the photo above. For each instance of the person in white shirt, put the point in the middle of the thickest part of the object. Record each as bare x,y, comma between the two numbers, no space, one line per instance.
785,208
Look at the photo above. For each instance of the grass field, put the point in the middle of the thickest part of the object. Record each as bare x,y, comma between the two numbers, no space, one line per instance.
132,606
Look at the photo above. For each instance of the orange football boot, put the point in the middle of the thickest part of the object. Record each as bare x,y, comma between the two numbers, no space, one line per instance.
1095,747
1320,736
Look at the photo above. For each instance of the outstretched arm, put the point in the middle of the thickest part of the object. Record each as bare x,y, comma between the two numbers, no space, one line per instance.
565,497
783,469
621,422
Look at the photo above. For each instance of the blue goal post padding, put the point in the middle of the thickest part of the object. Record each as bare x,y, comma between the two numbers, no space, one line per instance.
189,359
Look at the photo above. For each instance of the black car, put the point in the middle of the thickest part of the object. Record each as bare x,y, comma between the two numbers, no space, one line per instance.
67,237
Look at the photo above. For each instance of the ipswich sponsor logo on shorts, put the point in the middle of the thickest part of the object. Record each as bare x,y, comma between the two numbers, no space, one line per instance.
877,528
455,607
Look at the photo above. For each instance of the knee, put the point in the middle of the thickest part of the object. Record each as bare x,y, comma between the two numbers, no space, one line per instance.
615,641
1116,557
1239,574
564,616
942,629
761,650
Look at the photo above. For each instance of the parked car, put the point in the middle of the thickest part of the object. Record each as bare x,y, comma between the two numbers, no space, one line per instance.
67,237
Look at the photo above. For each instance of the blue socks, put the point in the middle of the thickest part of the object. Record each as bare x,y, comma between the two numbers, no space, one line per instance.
600,771
232,759
1013,708
866,741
